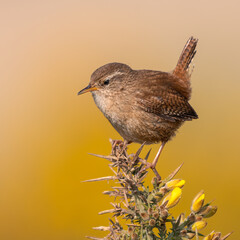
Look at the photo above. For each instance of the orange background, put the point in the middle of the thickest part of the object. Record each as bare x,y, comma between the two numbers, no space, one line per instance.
49,50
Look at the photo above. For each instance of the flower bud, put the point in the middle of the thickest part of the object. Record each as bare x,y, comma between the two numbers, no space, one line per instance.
210,236
217,236
226,236
152,222
209,211
163,212
150,211
134,236
144,216
199,225
192,217
183,233
156,215
159,195
198,202
190,235
163,191
173,197
155,182
130,229
175,183
198,218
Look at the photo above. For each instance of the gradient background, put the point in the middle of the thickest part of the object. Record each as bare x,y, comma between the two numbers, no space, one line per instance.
49,50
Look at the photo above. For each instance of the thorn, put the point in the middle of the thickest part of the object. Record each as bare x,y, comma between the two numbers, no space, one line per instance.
112,170
147,156
196,232
173,173
226,236
107,211
159,179
95,238
126,199
101,179
164,204
112,222
141,179
110,158
133,225
124,188
114,205
138,152
113,193
102,228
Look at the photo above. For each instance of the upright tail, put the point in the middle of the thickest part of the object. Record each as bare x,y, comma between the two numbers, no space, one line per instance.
189,51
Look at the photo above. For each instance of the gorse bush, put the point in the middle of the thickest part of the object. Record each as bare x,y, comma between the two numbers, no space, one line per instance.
148,213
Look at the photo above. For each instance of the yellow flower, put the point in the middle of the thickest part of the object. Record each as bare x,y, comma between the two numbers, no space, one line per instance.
199,225
216,236
209,211
175,183
190,235
173,197
210,236
198,202
155,231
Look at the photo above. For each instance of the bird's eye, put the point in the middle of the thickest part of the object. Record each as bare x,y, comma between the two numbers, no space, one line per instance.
106,82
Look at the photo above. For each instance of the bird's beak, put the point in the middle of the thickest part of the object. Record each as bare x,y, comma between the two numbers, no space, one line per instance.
89,88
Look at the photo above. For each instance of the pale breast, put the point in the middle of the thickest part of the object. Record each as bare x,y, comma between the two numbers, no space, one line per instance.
131,122
113,109
102,103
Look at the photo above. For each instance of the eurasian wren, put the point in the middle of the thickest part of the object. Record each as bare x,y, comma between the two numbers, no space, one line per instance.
145,106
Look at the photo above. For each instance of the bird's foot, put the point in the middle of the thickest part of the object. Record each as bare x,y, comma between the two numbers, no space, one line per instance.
118,146
154,163
116,143
153,167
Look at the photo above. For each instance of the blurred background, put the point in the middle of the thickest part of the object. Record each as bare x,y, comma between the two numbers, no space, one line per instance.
49,50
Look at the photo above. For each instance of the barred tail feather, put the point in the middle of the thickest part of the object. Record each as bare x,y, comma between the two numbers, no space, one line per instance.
189,51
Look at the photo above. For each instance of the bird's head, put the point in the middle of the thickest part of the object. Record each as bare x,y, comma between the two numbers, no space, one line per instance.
109,77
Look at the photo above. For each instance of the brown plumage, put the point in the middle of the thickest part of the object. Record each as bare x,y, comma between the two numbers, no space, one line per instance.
145,105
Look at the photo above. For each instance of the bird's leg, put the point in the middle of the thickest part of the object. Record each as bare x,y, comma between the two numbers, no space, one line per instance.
157,174
154,163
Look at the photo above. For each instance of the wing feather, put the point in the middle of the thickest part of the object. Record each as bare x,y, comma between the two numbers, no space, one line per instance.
168,104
